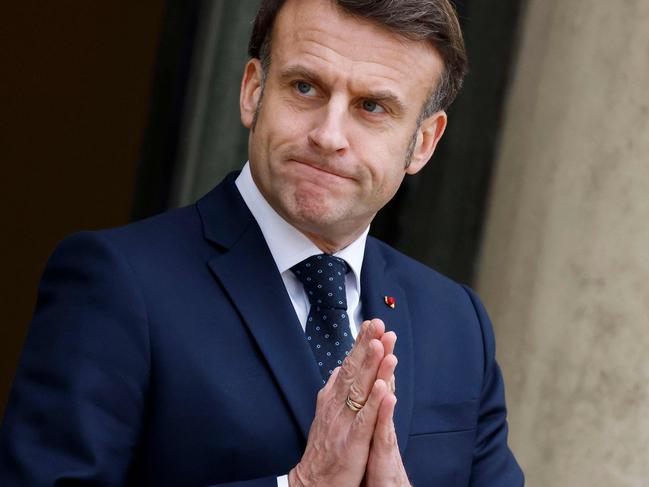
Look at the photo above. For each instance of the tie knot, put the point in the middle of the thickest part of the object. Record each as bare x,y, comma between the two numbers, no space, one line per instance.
323,278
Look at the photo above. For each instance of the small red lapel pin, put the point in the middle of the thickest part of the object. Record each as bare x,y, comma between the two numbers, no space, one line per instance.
390,301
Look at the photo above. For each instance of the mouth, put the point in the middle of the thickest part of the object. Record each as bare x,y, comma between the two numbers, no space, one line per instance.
318,169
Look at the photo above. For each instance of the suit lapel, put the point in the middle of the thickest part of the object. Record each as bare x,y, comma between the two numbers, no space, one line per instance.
247,264
377,282
249,276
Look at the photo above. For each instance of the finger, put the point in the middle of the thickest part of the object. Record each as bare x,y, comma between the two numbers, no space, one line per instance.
332,380
360,388
355,357
364,422
370,330
384,433
325,392
386,459
387,368
365,376
389,339
392,385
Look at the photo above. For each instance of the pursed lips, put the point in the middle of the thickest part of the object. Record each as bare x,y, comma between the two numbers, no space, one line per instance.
319,168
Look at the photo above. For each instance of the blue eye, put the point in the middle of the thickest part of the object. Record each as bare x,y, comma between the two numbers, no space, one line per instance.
372,107
303,87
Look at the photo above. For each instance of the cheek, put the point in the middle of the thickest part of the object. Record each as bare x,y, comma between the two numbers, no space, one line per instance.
283,136
388,178
384,163
283,117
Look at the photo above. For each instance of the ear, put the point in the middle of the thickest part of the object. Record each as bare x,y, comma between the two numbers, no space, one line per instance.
428,135
250,91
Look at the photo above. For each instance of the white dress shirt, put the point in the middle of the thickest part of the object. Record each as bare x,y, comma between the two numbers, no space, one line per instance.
289,246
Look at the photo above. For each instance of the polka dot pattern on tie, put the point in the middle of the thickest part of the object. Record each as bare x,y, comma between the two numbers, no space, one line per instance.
327,328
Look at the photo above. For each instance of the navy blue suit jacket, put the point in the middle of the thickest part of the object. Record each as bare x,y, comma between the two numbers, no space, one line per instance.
167,353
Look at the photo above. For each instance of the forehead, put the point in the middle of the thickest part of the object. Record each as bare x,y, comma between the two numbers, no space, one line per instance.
320,36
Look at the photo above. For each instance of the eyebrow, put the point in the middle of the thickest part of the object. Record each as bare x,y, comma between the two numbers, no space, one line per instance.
381,96
297,71
385,96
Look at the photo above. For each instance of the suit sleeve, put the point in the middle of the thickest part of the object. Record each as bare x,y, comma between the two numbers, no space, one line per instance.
77,406
75,411
493,461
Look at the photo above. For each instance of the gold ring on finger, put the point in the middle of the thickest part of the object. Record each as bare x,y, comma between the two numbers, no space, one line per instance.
354,405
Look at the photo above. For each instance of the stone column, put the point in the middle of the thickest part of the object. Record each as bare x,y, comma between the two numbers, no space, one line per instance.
565,260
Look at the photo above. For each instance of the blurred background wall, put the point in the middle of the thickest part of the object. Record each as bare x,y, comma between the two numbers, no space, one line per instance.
565,258
538,194
75,80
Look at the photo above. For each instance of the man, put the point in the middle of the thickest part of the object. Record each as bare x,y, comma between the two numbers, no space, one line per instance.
212,345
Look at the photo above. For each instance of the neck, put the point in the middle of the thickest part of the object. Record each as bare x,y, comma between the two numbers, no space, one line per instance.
329,245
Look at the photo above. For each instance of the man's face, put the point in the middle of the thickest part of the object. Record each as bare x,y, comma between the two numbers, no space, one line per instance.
339,114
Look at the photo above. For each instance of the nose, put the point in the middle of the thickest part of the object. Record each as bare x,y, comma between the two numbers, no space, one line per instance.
328,133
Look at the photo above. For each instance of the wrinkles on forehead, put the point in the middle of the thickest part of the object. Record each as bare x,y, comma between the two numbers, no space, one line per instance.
322,37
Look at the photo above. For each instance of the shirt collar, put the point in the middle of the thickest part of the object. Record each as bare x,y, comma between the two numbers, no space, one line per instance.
287,244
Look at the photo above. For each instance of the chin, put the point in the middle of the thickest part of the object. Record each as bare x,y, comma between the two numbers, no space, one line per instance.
313,213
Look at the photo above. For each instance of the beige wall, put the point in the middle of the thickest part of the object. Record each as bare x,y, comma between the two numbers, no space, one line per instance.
565,264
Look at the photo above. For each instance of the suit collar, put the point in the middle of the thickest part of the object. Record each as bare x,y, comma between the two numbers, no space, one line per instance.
223,213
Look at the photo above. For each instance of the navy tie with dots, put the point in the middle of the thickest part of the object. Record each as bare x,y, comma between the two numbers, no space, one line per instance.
327,326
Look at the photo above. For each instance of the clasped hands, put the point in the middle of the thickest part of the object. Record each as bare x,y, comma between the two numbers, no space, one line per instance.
347,448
